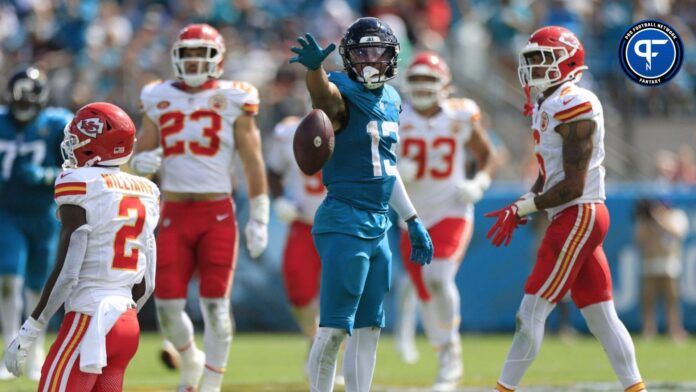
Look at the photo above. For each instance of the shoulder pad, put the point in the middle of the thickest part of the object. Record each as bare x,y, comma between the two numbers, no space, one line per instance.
573,103
462,109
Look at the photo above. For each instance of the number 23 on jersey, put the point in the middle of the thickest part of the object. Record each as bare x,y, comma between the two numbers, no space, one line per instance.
171,123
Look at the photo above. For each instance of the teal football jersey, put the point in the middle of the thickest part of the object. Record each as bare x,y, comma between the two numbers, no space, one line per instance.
37,142
360,174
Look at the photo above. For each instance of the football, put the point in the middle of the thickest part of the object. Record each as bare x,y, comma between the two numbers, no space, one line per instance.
313,142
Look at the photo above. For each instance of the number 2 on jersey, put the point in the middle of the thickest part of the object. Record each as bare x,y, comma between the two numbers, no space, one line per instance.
127,259
173,122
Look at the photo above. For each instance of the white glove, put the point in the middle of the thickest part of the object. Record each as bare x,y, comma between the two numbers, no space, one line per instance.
147,162
408,169
17,352
256,237
256,229
471,191
285,210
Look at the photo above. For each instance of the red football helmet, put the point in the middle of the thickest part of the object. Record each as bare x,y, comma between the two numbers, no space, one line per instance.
554,51
100,133
428,78
207,66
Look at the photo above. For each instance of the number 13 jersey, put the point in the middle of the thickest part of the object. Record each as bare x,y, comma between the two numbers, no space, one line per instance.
197,131
122,211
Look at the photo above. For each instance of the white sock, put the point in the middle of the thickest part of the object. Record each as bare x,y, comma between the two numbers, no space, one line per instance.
176,326
407,304
217,338
526,343
10,306
606,326
322,358
441,314
359,359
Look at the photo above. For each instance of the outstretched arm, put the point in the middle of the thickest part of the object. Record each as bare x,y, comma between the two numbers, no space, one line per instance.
324,94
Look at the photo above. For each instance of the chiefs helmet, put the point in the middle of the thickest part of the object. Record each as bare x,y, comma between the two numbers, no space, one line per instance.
559,55
428,78
100,133
206,67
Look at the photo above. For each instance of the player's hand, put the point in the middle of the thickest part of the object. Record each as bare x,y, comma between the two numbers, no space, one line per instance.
507,220
256,237
471,191
310,54
285,210
17,352
408,169
421,244
147,162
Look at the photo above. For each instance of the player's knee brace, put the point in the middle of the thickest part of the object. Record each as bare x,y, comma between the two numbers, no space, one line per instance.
217,318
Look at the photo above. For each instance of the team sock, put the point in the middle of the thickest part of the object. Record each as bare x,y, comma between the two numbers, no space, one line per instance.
359,359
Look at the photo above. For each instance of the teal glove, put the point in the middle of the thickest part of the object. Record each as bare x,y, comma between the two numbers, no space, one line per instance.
311,55
421,245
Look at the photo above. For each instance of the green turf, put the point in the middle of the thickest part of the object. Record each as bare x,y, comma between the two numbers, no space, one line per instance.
274,362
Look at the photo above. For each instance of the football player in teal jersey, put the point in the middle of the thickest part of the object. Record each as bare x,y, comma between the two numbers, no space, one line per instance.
30,137
362,182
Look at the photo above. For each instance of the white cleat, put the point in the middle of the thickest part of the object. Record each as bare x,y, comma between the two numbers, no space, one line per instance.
4,373
407,351
35,361
192,371
451,368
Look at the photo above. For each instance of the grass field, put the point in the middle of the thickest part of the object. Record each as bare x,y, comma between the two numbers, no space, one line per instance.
274,362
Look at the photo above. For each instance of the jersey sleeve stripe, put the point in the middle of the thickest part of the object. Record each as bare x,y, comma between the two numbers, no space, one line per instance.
252,108
577,110
71,184
70,188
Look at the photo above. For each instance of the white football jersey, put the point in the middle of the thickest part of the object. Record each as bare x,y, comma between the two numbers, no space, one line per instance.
567,104
437,145
197,132
122,210
307,192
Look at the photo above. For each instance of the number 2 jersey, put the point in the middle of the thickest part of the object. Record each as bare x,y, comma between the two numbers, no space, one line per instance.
122,210
197,131
437,146
568,103
360,174
306,192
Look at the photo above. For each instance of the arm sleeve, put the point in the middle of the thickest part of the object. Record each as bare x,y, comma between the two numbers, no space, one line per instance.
69,274
400,201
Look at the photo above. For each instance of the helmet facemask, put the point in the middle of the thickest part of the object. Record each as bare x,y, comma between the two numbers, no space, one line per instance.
539,67
371,65
68,146
196,68
425,91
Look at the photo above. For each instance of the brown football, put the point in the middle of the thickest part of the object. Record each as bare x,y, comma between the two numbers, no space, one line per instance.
313,142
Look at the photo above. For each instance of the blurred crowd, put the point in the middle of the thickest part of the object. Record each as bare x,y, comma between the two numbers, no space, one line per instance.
107,50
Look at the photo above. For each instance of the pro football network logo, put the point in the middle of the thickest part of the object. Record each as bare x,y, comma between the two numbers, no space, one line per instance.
651,52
